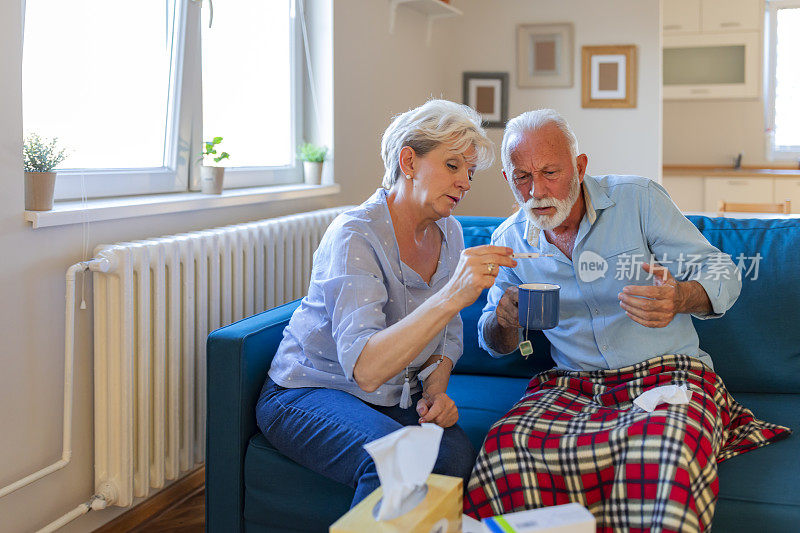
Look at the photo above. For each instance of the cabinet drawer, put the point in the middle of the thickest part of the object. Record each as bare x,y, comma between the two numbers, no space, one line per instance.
788,189
686,191
740,190
681,16
731,15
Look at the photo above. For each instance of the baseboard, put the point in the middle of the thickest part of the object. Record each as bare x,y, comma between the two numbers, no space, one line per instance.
158,503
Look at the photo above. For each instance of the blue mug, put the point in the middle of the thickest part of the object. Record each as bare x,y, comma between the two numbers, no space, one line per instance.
538,305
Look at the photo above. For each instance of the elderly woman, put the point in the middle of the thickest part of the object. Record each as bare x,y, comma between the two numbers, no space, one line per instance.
371,348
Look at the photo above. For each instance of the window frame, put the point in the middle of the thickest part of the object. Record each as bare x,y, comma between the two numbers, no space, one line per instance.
774,153
183,136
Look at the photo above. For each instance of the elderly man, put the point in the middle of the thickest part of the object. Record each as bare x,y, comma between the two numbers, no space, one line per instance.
632,271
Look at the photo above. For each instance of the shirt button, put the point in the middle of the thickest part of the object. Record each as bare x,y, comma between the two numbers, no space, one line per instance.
605,346
597,311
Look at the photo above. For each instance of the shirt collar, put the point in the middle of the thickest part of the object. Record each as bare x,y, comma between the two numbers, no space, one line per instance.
596,200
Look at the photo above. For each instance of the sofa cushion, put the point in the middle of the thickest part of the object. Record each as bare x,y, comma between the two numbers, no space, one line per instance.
758,490
756,345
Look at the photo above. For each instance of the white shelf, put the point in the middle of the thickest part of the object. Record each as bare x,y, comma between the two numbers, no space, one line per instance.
433,9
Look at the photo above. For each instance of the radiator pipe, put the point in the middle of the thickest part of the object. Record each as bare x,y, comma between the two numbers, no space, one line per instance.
69,357
94,503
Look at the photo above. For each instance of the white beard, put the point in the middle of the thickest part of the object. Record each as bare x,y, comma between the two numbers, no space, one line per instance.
563,207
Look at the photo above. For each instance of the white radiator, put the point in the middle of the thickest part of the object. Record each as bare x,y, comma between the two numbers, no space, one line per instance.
155,301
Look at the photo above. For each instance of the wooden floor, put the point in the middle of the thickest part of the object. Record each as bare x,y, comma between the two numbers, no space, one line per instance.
186,516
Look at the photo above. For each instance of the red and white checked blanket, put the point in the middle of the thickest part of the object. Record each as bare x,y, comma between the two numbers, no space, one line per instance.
577,437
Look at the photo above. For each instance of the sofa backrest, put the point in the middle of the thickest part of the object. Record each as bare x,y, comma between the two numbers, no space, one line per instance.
755,346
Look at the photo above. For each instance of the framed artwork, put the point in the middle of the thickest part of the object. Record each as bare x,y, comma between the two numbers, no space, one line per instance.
544,55
608,76
487,93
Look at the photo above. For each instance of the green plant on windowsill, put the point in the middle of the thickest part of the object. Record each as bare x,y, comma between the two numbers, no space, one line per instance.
312,156
40,157
312,153
211,177
211,149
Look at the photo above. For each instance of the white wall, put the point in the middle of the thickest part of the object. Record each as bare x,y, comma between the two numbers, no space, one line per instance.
620,141
375,75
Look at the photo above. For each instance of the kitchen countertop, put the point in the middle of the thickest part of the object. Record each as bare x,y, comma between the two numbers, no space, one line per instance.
744,172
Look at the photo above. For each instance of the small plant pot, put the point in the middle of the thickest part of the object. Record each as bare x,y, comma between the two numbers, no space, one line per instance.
312,172
211,179
39,189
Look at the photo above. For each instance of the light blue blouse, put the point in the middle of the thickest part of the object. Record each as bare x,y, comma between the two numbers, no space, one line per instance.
359,286
628,219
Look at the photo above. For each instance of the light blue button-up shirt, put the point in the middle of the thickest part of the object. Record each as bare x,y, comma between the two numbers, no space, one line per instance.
628,220
359,286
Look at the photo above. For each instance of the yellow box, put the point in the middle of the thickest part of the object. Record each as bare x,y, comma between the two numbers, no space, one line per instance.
439,512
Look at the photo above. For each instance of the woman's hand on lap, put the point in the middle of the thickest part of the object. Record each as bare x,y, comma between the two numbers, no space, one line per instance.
438,409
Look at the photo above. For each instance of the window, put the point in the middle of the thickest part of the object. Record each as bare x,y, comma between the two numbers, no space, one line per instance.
124,88
783,79
248,87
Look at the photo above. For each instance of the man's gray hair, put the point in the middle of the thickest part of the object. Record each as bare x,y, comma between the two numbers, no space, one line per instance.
429,125
531,121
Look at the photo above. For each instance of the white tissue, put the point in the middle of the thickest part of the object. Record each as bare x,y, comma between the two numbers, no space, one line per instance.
671,394
404,459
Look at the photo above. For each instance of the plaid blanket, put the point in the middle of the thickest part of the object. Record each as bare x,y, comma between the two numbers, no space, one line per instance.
577,437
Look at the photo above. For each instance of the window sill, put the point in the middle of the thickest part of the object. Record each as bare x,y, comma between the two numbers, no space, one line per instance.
74,212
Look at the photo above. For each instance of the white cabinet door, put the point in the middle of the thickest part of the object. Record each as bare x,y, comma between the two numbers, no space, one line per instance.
681,16
788,189
730,15
686,191
740,190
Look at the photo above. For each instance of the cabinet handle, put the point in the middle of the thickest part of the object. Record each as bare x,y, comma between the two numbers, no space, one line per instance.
734,182
672,26
699,91
730,24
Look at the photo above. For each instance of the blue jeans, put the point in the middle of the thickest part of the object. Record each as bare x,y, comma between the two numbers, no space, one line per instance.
325,430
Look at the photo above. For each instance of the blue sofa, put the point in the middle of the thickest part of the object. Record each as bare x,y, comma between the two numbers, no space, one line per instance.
755,346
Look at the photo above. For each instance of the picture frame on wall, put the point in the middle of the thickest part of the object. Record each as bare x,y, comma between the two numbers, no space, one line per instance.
544,55
608,76
487,93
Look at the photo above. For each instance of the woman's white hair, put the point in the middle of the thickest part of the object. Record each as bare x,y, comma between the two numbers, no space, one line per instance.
429,125
532,121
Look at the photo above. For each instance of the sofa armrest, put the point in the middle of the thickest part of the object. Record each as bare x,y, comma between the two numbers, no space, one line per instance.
238,359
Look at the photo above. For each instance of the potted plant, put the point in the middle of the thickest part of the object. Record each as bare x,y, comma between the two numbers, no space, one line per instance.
211,177
312,156
40,158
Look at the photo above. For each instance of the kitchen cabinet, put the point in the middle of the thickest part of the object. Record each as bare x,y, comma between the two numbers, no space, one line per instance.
740,190
681,16
788,189
712,66
686,191
695,16
699,190
712,49
730,15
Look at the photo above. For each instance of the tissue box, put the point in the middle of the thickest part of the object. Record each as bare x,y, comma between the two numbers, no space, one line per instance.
568,518
439,512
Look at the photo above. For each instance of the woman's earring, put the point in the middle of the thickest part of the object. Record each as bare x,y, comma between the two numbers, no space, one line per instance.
408,176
